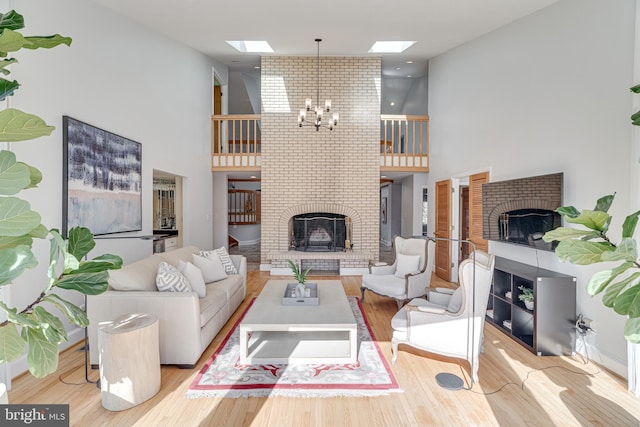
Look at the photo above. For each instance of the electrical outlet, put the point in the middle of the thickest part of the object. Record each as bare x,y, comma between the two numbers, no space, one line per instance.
584,324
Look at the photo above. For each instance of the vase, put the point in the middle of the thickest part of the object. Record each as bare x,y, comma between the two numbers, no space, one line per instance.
529,305
300,290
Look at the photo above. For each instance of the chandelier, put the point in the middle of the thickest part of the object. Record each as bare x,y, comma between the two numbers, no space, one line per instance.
318,111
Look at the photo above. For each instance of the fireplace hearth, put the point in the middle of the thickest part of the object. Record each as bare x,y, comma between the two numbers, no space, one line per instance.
318,232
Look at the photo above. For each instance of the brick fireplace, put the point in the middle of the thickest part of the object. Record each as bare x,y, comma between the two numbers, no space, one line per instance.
306,171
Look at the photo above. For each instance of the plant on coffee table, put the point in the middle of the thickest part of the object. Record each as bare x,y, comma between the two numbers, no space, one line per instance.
301,276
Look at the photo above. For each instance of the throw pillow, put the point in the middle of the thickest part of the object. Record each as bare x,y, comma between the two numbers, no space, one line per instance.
194,276
211,267
407,264
169,279
224,257
455,303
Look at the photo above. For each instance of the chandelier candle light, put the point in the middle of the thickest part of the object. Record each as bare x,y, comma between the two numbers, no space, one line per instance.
318,111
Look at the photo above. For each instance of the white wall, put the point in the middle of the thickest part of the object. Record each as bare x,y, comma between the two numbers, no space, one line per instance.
548,93
125,79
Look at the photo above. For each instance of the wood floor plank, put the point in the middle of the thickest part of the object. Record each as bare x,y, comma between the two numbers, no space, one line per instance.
561,391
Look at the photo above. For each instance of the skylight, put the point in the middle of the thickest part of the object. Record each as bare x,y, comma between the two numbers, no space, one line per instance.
390,46
250,46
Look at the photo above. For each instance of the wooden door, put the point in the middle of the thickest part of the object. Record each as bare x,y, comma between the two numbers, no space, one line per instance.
443,229
217,109
475,210
464,251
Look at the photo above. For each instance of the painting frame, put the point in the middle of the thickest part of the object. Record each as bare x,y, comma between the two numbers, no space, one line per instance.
102,180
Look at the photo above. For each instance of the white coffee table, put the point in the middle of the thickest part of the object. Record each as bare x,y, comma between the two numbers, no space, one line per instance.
273,333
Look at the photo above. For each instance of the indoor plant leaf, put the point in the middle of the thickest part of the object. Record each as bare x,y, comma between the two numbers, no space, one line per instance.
21,319
42,355
13,241
582,252
72,311
16,125
11,20
627,250
14,176
613,290
632,330
568,211
5,63
594,220
51,326
11,343
86,283
564,233
16,217
46,42
40,232
11,41
80,242
601,279
13,261
604,203
628,302
101,263
7,88
629,225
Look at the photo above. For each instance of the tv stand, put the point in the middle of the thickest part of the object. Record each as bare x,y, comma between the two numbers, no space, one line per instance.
546,330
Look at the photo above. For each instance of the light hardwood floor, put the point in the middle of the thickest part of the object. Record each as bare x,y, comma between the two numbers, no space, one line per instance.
561,391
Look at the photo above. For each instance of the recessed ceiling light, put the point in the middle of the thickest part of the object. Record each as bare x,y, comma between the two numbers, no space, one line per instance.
409,76
383,176
409,62
257,67
253,46
390,46
397,68
392,103
252,177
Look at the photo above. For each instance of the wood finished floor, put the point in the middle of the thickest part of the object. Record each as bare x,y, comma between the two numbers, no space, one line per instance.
558,391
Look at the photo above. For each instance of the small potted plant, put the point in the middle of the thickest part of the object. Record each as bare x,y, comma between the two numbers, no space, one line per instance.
301,277
526,295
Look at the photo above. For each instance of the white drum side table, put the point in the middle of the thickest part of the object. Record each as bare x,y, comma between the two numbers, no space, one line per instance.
129,360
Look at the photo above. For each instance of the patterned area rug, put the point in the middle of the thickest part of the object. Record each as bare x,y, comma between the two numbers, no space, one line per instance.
223,376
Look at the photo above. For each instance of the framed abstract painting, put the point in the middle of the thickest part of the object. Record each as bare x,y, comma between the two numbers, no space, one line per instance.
102,180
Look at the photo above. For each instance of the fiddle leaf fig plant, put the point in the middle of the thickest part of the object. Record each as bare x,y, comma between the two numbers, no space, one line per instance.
591,244
35,328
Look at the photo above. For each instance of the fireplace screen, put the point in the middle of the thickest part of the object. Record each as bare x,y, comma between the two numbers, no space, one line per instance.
318,232
527,226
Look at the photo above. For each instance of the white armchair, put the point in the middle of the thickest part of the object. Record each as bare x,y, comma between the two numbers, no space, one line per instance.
451,323
410,274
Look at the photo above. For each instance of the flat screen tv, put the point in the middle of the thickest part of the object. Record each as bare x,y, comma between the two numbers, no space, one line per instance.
520,211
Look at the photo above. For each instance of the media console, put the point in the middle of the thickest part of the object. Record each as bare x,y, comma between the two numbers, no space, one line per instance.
549,328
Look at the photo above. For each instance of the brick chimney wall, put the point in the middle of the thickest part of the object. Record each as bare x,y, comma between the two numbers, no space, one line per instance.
304,170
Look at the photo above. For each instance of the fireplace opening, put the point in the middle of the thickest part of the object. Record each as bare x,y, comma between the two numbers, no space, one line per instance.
318,232
527,226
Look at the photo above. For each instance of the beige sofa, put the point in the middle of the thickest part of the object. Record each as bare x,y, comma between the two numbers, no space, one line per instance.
188,323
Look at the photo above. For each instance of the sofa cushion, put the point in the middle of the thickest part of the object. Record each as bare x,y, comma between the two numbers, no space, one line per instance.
218,295
407,264
391,286
182,254
211,267
137,276
194,276
169,279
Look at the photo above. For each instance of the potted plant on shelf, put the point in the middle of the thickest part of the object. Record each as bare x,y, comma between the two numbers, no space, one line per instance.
526,296
301,278
35,327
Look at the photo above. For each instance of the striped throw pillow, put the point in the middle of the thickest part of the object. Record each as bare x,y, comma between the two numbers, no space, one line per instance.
169,279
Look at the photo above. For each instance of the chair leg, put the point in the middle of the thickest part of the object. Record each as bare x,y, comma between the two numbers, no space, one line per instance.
362,292
400,304
394,351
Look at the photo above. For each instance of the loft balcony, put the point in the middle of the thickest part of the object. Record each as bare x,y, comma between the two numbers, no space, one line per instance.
236,143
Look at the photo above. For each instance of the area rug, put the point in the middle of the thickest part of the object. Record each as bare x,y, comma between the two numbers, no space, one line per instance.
224,376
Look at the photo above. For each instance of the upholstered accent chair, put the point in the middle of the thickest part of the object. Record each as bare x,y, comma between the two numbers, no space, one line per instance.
410,274
449,323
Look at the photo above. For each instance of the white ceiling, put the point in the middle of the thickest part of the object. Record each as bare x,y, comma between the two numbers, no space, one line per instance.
347,27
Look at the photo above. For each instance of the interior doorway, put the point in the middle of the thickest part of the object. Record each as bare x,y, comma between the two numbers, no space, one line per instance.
464,222
168,204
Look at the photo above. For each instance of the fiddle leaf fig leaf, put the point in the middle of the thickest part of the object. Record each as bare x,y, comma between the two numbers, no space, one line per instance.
13,262
628,302
46,42
40,232
604,203
72,311
568,211
102,263
42,355
11,20
80,242
632,330
627,250
629,225
565,233
7,88
86,283
35,176
16,125
51,326
5,63
11,41
613,291
7,242
13,316
582,252
11,343
16,217
594,220
601,279
14,176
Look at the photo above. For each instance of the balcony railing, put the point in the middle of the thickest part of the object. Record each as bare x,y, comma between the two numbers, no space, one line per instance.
244,207
236,144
